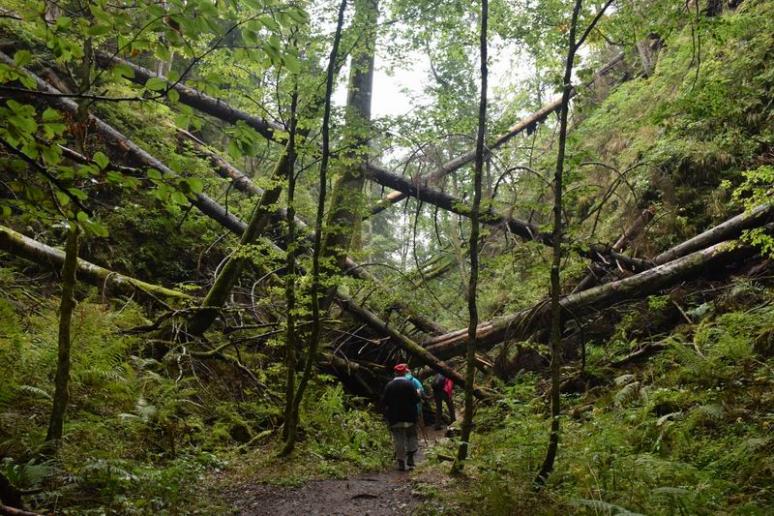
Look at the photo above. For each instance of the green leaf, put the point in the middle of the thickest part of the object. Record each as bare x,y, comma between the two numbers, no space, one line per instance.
292,63
123,70
78,194
155,84
63,22
173,96
101,160
196,184
179,198
99,30
22,58
51,115
154,174
62,198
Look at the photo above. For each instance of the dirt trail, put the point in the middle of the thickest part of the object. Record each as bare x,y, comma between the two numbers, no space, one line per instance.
374,494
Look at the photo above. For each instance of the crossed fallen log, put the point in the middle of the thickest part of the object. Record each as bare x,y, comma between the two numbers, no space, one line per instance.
701,253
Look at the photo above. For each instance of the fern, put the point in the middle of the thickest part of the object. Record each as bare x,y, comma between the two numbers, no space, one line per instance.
32,391
627,394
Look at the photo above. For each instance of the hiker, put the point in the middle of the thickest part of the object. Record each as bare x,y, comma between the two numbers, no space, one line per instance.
404,368
442,391
399,400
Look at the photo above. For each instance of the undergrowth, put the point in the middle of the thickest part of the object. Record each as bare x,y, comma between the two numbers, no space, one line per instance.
143,435
687,433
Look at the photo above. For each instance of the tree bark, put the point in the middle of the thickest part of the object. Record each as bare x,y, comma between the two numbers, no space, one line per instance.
290,276
51,258
196,99
66,307
470,359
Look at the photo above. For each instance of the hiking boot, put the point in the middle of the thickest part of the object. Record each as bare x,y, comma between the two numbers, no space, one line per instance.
410,461
401,465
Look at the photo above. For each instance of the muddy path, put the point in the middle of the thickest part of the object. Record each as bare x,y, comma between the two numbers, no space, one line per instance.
374,494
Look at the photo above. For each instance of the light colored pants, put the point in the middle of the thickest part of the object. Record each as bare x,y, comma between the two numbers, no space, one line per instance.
404,438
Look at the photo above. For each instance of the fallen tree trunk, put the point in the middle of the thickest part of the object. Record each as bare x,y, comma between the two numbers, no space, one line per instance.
24,247
733,227
196,99
384,177
528,123
619,246
523,324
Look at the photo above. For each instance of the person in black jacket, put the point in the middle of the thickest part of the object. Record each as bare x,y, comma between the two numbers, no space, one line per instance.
400,400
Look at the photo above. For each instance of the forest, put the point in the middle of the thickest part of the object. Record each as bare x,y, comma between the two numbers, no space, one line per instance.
231,231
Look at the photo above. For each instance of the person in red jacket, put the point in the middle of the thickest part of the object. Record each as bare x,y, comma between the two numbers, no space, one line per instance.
442,391
399,401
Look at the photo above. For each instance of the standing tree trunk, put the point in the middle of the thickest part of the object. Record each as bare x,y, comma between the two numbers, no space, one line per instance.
62,379
470,372
556,287
555,336
314,338
344,219
290,277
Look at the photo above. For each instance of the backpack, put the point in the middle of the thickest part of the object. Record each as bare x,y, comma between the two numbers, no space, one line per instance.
439,381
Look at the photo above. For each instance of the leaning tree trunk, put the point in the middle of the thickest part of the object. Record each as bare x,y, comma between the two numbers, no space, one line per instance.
66,307
314,339
470,359
216,297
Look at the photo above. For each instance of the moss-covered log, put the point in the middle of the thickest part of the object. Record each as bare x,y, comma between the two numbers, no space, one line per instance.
22,246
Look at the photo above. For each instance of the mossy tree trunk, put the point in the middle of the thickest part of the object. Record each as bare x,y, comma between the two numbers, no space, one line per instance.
66,307
290,276
229,273
555,336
